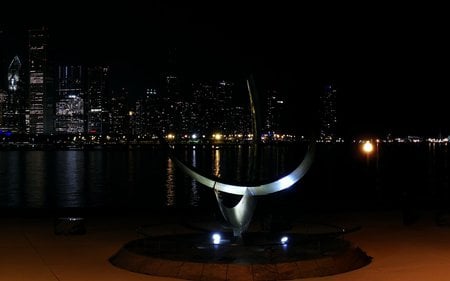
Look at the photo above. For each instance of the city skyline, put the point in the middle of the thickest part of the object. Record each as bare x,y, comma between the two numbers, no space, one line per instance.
387,64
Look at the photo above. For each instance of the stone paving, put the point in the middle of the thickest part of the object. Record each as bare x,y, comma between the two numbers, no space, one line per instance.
30,250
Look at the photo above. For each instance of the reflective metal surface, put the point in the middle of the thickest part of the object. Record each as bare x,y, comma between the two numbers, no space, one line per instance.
256,190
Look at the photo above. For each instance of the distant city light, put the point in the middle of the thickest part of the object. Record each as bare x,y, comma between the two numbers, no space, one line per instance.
367,147
194,136
284,240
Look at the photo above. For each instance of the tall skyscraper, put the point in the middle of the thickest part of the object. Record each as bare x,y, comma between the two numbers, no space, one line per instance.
147,110
119,114
174,103
13,115
213,106
97,97
14,78
274,108
3,102
173,96
40,103
225,106
328,118
70,101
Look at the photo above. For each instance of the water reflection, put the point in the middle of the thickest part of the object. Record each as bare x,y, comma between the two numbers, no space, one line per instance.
96,179
69,179
216,162
148,178
437,170
170,184
35,179
194,197
239,160
10,177
131,166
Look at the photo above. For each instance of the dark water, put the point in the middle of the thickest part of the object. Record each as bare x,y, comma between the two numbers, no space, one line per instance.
341,177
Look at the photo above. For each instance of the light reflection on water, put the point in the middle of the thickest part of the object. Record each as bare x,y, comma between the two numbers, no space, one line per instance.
216,161
69,179
148,178
170,184
10,185
194,194
36,179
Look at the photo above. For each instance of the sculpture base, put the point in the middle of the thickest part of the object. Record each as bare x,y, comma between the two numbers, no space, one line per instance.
260,256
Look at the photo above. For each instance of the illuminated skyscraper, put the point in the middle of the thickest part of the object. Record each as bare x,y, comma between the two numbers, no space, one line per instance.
328,118
70,101
13,115
173,97
225,106
174,103
146,112
274,109
119,114
14,78
41,106
98,92
214,109
3,102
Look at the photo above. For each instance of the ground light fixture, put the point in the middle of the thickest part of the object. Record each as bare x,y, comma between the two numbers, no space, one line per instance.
216,238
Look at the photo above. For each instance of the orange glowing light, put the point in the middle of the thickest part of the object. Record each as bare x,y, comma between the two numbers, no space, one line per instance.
367,147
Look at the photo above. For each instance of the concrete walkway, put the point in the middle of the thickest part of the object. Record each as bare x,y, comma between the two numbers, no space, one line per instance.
29,249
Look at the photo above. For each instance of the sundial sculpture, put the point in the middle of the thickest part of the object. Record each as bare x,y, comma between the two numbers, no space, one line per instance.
180,256
240,215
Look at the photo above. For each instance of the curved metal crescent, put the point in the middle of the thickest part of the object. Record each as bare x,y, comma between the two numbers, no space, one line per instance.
263,189
241,214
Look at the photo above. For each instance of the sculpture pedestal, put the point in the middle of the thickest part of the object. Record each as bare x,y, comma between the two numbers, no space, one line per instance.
262,257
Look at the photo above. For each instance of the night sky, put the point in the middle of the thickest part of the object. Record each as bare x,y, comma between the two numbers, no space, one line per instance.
389,63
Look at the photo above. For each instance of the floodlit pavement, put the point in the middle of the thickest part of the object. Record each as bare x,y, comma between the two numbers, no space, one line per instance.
30,250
